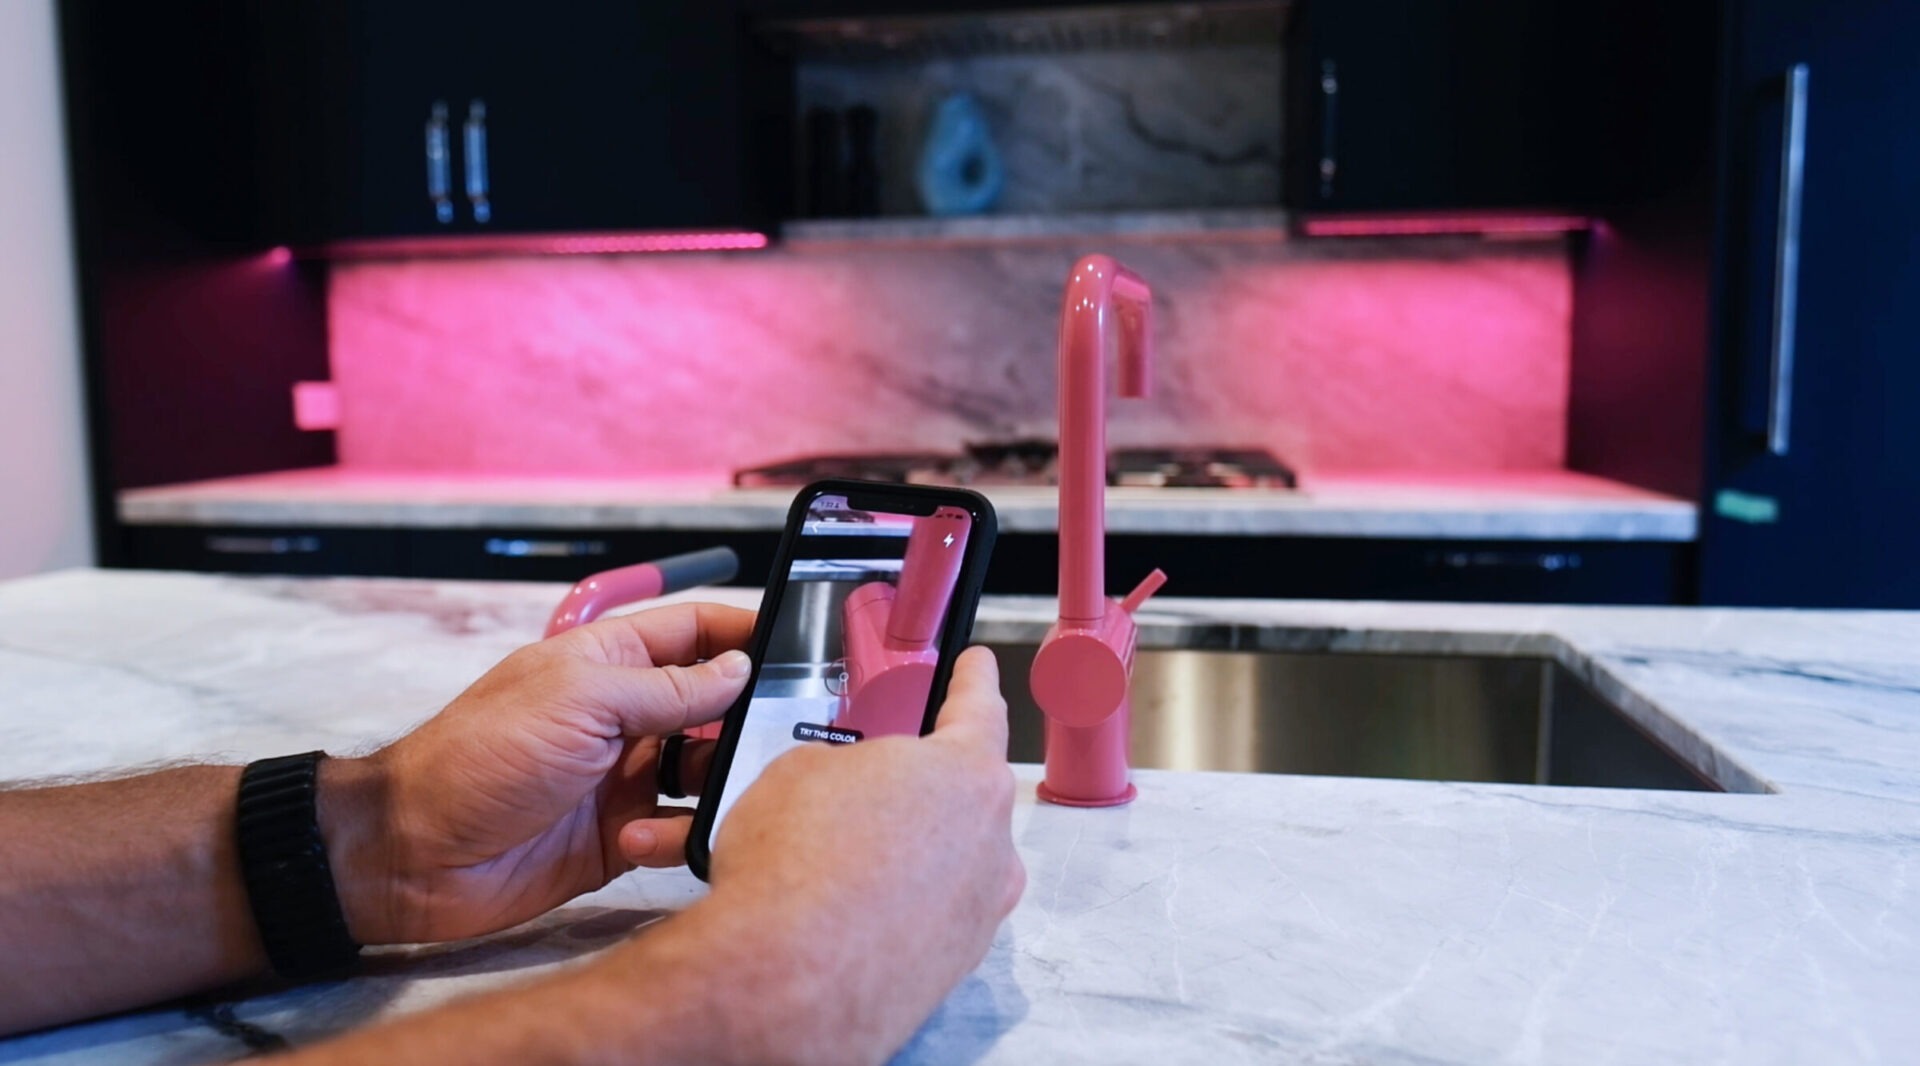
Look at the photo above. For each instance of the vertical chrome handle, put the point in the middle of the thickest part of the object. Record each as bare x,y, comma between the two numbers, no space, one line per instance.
1786,261
1329,100
439,164
474,140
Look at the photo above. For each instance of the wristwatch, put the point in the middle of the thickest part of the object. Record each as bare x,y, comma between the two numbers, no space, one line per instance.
284,863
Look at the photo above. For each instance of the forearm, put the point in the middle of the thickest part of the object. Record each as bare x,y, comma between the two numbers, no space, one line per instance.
120,893
731,979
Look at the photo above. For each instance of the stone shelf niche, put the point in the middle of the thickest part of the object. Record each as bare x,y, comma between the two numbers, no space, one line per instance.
1147,120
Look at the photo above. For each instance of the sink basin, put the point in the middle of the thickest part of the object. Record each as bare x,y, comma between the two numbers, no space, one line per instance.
1439,718
798,680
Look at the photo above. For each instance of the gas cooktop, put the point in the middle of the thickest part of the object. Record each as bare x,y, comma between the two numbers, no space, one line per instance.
1035,462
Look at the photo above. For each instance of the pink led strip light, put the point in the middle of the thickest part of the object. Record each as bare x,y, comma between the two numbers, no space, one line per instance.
546,244
1490,225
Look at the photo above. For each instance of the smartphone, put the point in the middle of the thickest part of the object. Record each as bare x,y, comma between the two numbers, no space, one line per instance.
870,600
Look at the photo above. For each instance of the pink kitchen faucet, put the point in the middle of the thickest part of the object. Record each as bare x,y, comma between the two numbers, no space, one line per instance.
893,632
596,594
1081,674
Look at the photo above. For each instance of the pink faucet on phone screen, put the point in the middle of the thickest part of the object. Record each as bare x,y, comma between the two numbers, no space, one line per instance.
1080,675
893,632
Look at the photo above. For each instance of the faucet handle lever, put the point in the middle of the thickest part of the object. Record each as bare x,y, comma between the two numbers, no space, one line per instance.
1144,591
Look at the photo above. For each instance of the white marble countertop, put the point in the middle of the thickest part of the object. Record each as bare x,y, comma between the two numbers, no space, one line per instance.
1517,505
1221,917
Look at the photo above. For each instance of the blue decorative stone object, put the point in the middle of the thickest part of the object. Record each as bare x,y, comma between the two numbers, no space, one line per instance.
960,169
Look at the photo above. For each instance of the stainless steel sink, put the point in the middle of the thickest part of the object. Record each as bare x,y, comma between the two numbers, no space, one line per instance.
799,680
1441,718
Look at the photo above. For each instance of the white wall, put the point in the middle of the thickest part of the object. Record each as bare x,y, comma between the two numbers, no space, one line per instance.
43,499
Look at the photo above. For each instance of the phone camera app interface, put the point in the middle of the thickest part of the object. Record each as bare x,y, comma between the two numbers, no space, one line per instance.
856,635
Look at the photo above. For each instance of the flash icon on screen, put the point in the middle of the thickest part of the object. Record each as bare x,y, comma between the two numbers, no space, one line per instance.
949,541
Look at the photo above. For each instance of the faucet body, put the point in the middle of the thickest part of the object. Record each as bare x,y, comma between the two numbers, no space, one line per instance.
893,631
1080,675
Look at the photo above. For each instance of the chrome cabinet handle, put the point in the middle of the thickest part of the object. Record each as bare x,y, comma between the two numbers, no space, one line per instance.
1329,100
474,140
439,164
264,545
1550,562
1786,261
525,548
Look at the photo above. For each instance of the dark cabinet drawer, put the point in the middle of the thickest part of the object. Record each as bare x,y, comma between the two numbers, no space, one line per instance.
571,554
1374,569
246,550
1024,564
1383,569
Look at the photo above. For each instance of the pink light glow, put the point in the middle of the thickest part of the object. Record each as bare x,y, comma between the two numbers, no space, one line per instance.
545,244
1348,357
1486,225
316,405
279,256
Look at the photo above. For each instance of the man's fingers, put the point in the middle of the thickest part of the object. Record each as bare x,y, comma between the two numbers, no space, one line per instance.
657,842
678,635
654,701
975,711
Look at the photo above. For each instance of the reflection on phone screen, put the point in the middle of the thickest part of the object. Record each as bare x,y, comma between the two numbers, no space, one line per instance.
856,635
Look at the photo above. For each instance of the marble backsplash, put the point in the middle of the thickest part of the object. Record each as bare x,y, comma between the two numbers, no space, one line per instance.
1442,354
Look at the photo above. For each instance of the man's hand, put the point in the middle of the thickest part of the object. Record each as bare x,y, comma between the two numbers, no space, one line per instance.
538,783
881,868
853,887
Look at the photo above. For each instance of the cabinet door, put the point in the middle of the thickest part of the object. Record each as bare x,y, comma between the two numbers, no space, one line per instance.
1418,105
347,94
408,66
1814,484
439,117
604,115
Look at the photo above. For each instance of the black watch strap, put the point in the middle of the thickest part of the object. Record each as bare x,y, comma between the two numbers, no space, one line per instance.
284,863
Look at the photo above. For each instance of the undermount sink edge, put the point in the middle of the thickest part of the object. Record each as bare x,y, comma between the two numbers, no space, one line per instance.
1167,631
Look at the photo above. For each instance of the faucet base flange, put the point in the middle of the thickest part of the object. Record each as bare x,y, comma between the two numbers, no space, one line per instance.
1048,795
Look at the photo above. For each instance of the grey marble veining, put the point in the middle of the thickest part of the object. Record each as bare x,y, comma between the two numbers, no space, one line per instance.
1527,506
1221,918
1087,131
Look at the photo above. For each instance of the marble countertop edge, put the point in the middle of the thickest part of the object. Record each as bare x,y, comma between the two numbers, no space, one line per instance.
1549,506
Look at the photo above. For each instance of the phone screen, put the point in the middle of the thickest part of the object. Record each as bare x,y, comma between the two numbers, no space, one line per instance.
857,634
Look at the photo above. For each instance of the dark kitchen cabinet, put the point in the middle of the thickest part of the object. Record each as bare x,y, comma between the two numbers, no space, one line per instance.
1364,568
1425,106
1024,564
256,550
1602,572
440,118
1814,457
191,337
810,9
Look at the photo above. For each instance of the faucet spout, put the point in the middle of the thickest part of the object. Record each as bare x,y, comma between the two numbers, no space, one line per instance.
1106,308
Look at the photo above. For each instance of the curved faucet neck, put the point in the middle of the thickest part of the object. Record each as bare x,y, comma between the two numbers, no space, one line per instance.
1106,307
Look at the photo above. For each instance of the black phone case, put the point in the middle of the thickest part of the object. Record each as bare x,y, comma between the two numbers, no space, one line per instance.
959,630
